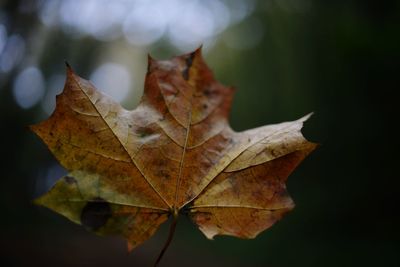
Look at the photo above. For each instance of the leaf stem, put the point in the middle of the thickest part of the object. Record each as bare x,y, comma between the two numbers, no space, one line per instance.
170,236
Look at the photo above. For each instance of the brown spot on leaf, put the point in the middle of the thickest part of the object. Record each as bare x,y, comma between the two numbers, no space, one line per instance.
189,62
143,132
70,180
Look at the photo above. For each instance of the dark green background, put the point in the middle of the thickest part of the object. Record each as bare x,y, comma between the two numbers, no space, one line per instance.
340,60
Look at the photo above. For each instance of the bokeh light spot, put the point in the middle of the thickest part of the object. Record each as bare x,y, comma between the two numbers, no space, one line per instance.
28,87
13,52
112,79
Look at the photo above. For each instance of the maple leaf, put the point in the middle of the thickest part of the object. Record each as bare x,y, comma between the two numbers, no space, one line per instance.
174,154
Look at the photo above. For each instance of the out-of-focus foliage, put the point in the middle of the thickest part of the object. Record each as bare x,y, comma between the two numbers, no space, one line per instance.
286,58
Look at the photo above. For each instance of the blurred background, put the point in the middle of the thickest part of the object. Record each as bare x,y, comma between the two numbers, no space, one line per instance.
339,59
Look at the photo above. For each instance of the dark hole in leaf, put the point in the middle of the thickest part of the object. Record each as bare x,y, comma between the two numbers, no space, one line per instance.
96,214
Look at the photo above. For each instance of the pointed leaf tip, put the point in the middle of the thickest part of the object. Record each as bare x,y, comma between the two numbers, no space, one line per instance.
37,201
69,68
150,62
129,247
199,49
149,58
309,115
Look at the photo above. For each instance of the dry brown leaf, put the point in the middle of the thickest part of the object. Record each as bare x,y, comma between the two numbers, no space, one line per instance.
175,153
